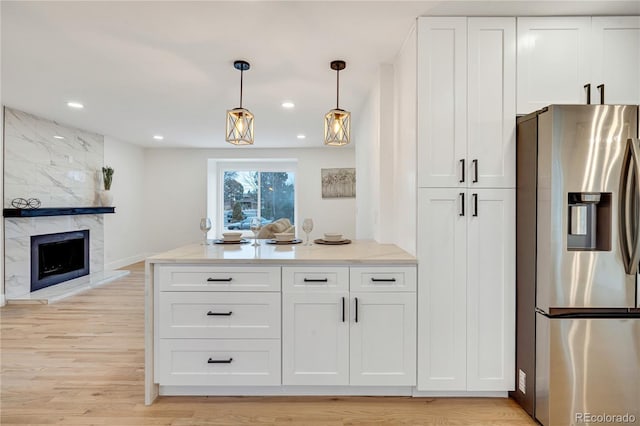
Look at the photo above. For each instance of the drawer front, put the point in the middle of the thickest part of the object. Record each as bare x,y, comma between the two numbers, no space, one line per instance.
218,278
310,279
220,315
393,278
212,362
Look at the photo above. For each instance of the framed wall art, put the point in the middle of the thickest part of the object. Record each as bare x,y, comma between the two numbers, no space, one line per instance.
338,183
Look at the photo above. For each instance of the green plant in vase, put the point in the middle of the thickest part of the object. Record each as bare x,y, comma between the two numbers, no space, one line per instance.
106,198
107,177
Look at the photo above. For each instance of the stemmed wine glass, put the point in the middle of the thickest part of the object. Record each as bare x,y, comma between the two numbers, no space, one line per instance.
255,224
205,227
307,227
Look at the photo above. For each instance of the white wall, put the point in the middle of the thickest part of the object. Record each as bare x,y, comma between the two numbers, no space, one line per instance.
124,241
367,140
405,145
175,194
374,160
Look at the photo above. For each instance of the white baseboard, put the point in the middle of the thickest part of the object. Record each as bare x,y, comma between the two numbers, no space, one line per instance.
117,264
3,301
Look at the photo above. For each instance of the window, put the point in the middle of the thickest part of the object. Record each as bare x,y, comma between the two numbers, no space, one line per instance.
255,188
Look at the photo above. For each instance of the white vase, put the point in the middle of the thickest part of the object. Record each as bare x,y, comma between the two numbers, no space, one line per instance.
106,198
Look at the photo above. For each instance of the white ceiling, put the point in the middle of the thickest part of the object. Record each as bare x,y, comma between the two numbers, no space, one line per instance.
159,67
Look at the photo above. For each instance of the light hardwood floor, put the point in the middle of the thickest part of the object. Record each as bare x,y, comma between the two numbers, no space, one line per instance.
81,361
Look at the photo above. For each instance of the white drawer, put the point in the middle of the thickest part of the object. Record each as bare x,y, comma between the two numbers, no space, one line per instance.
218,278
311,279
213,362
220,315
383,278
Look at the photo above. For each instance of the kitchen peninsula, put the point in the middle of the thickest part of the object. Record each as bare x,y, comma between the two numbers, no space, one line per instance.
237,319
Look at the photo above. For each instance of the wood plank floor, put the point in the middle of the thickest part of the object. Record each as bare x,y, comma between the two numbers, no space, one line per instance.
81,362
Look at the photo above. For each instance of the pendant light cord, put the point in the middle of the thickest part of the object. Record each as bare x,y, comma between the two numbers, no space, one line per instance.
337,89
241,74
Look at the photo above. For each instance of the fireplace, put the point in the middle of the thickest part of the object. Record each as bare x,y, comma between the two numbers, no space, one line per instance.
60,257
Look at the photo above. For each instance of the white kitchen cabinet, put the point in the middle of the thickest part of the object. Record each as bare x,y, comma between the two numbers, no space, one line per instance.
553,61
491,295
491,104
466,102
331,336
383,339
315,347
616,57
466,305
442,292
442,101
217,325
558,56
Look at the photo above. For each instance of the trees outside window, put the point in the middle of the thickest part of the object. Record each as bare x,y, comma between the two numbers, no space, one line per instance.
267,194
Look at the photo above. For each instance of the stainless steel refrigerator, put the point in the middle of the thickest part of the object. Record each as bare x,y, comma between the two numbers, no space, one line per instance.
578,254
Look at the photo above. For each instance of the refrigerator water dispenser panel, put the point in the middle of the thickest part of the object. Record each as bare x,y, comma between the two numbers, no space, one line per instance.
589,221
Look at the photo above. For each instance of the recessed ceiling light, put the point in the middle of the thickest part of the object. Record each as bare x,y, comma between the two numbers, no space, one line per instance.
288,104
58,137
74,104
301,136
158,137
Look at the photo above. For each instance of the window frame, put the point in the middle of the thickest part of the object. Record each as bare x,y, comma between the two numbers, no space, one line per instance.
215,190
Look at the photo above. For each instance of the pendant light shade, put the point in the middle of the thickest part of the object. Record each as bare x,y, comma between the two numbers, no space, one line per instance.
239,127
337,122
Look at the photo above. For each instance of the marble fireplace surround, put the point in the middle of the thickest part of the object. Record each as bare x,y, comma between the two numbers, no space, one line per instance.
60,172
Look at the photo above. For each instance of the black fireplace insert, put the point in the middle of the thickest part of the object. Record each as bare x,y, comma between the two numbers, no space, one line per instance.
60,257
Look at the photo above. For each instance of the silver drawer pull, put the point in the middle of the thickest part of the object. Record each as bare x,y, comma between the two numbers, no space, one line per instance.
226,314
388,280
219,279
316,280
219,361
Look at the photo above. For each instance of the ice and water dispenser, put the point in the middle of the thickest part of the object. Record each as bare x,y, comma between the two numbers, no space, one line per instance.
589,221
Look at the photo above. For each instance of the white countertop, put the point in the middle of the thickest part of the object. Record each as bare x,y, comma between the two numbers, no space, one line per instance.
358,252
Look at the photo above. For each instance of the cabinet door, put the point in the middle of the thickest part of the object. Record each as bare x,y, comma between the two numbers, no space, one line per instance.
492,103
616,58
315,339
383,339
553,61
491,290
442,101
442,303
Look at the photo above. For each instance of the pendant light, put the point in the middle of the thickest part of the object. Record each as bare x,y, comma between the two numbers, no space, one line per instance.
337,122
239,120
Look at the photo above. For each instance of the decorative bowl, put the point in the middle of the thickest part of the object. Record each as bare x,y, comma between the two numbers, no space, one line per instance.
332,236
284,236
232,236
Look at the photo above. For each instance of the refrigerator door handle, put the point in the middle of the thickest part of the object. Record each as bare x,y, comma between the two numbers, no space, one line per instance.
629,227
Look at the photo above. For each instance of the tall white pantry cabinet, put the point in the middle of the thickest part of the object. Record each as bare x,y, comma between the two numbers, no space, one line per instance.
466,87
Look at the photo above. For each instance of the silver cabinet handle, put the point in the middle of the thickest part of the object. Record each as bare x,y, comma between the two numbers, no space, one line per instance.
316,280
212,280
